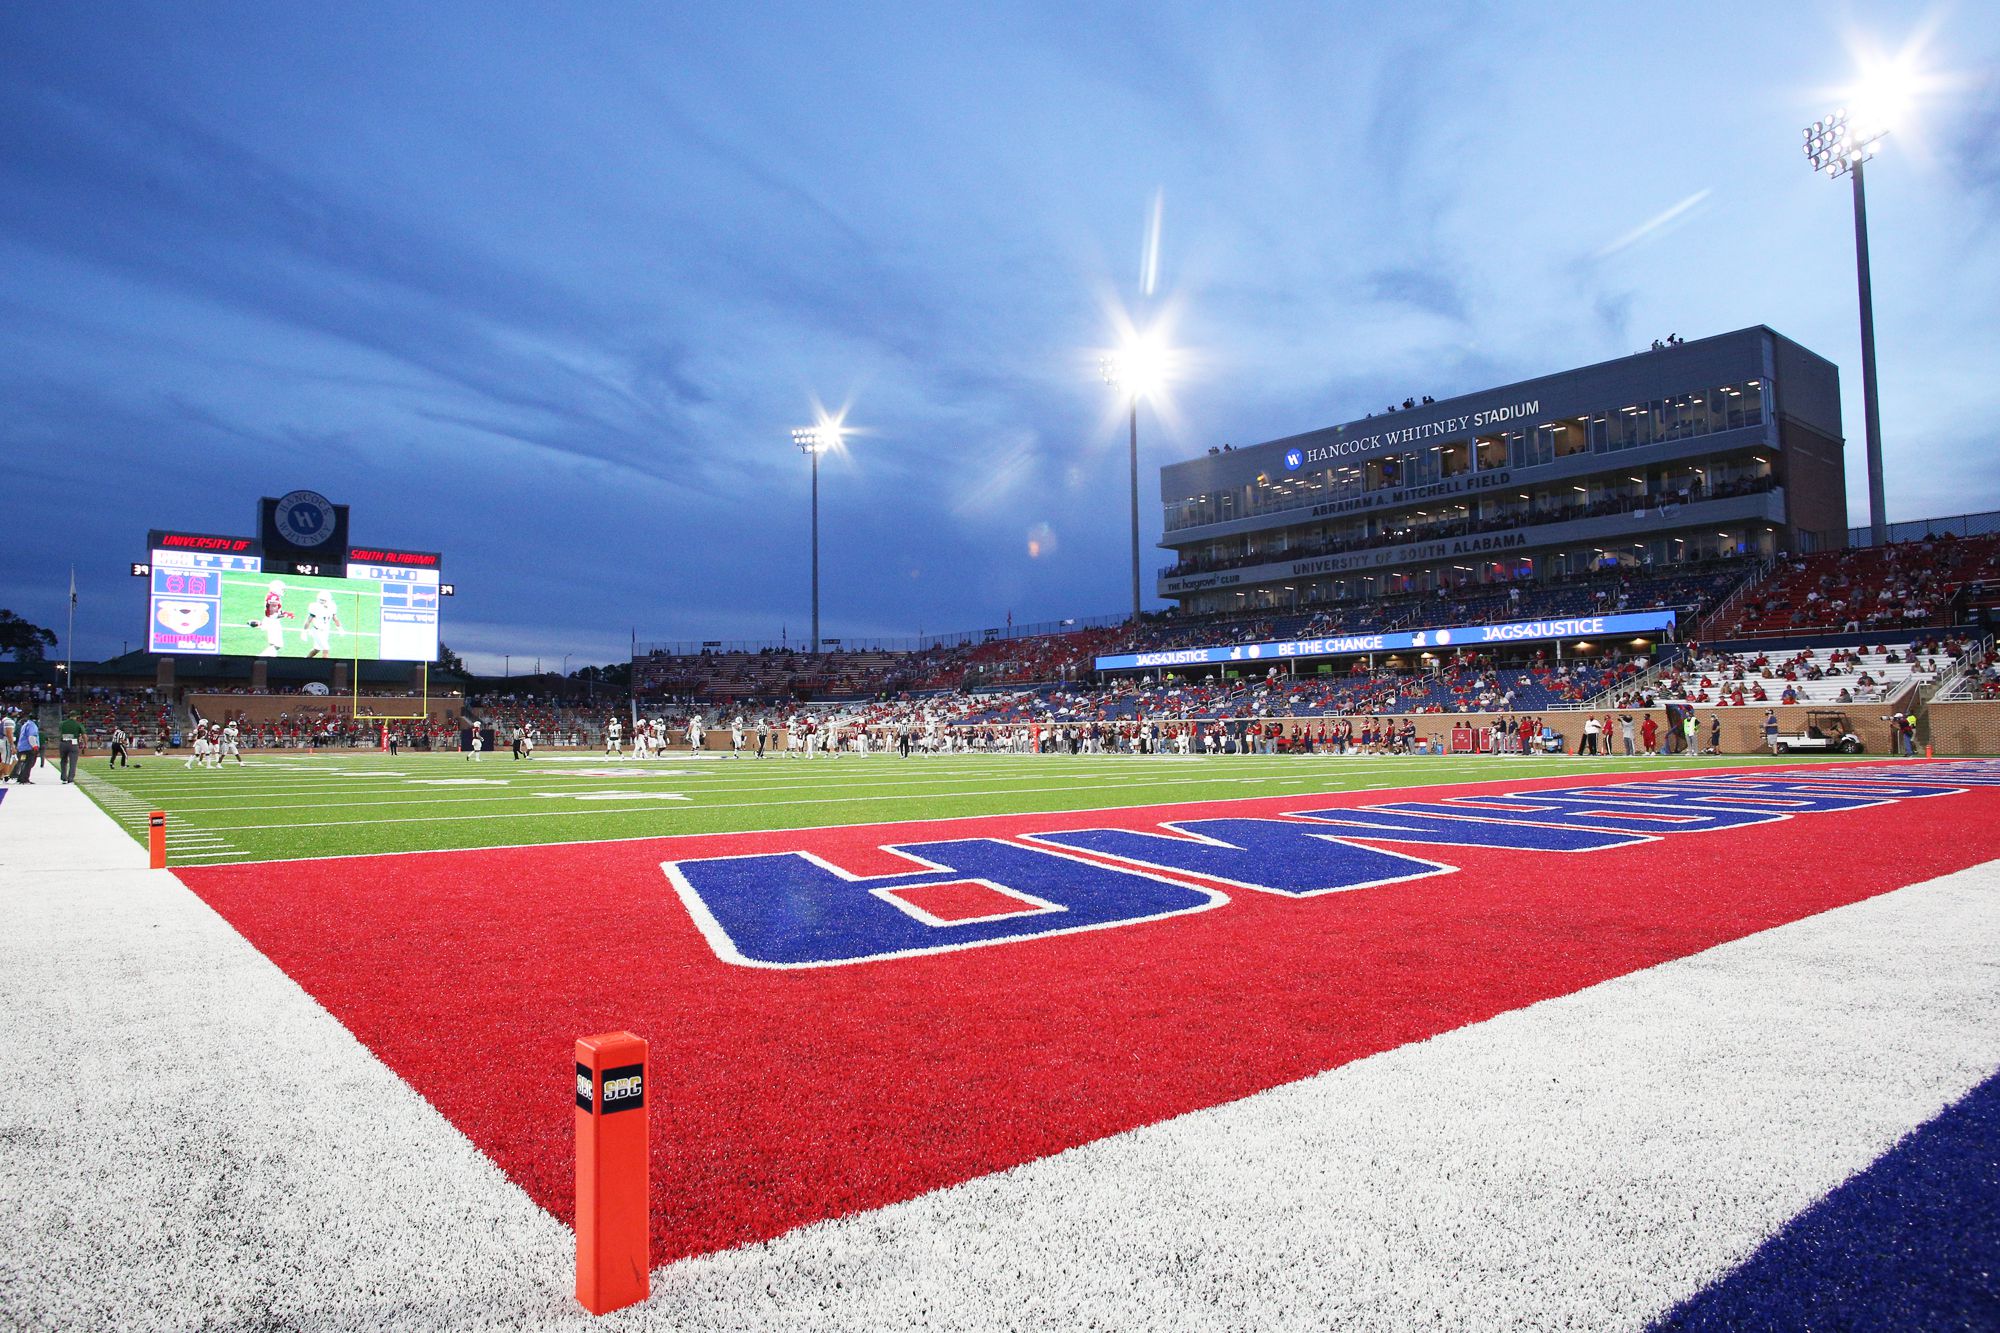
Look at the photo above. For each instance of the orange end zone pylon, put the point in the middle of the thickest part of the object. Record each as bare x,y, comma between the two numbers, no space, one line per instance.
156,838
613,1246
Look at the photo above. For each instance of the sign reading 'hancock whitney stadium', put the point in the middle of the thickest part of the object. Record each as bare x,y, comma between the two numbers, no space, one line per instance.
1460,636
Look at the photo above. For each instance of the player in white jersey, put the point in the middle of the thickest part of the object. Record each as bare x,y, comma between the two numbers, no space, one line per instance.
197,747
613,732
736,736
231,745
322,618
694,732
527,742
273,620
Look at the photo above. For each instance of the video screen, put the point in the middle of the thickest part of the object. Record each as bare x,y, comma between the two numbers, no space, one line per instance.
226,605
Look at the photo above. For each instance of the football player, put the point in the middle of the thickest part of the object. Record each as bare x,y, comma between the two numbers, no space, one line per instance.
322,618
272,622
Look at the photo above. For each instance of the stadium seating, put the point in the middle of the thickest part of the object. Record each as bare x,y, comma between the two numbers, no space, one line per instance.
141,717
1816,676
1901,587
776,676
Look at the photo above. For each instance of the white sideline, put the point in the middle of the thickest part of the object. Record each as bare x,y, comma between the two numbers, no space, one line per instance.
187,1138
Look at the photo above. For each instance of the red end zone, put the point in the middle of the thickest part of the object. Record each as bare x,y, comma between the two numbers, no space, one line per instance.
787,1097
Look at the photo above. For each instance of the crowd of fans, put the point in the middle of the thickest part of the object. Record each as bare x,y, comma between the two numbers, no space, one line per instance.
1899,587
776,677
1863,674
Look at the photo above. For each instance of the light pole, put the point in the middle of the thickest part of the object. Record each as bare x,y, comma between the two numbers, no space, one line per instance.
812,441
1137,368
1838,147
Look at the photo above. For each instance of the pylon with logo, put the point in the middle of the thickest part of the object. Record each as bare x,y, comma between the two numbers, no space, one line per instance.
613,1249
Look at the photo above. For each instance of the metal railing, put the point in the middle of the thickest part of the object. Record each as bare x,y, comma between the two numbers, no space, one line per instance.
1607,697
1716,614
1957,525
1958,684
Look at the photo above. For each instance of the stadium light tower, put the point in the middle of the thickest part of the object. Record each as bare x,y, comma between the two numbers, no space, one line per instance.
812,441
1139,369
1838,146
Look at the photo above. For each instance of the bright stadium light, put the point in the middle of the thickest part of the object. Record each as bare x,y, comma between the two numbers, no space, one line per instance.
824,436
1883,99
1139,367
1139,370
1838,146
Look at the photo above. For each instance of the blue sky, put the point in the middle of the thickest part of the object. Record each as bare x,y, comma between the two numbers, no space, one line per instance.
545,287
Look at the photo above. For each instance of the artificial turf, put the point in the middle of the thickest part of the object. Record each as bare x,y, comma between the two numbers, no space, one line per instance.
803,1094
289,804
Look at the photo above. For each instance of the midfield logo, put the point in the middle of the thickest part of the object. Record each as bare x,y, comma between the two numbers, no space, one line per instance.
801,909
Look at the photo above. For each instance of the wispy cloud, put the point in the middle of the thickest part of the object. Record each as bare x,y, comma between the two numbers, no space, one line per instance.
1656,225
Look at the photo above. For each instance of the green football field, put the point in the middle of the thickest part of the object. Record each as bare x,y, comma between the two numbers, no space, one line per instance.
280,805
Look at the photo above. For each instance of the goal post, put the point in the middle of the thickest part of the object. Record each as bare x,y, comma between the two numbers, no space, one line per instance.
423,700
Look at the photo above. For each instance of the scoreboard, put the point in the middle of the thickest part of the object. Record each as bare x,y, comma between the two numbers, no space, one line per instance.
220,596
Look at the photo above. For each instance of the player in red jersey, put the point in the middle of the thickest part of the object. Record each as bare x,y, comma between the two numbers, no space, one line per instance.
273,619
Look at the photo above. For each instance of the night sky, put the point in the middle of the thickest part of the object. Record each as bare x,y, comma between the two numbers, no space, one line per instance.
545,287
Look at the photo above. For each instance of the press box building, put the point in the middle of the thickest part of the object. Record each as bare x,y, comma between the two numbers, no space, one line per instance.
1725,445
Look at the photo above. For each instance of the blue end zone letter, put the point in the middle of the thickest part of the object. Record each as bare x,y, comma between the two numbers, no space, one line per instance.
796,910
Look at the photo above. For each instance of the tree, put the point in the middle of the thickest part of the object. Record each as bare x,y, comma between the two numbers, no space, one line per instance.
28,642
449,660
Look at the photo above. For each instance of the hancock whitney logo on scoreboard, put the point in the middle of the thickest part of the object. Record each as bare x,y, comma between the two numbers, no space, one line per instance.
1294,459
305,518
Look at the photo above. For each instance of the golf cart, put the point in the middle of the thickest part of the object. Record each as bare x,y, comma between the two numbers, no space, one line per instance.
1827,732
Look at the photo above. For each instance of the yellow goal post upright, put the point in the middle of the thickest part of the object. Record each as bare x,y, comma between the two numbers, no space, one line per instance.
424,680
423,699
